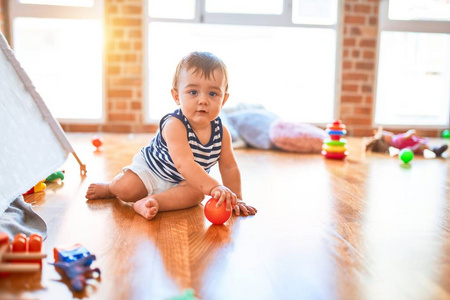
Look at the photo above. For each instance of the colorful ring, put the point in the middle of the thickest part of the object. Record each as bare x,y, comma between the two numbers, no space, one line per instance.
334,155
336,132
334,127
340,142
334,149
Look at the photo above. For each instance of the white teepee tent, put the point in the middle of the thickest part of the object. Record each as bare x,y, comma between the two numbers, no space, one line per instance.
32,143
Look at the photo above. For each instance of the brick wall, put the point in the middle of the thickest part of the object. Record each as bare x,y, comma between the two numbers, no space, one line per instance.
124,73
359,44
124,63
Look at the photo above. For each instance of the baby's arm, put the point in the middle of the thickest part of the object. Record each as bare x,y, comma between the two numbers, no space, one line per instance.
410,133
175,135
231,176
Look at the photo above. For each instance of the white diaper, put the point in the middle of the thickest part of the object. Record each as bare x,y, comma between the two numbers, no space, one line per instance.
152,182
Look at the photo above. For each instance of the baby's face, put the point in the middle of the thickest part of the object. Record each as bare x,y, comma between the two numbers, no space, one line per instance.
200,98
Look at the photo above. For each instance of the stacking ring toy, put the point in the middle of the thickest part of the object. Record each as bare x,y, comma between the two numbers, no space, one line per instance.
334,147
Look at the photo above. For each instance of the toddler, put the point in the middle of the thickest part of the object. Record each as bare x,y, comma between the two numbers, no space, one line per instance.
172,172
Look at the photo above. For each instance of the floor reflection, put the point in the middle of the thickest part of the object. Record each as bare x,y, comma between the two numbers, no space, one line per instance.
405,227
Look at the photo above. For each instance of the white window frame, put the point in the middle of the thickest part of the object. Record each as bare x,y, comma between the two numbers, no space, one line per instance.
283,20
386,24
17,9
95,12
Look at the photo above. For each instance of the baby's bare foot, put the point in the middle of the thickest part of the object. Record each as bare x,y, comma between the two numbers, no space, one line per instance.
147,207
99,191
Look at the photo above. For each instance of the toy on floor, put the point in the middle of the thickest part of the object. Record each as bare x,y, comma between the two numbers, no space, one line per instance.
334,147
97,141
23,255
188,294
383,139
54,176
39,187
446,134
406,155
216,215
75,262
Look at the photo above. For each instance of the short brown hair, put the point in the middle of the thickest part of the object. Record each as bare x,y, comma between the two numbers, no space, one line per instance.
204,62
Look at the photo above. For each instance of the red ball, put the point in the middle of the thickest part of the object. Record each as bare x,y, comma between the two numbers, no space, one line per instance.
97,141
216,215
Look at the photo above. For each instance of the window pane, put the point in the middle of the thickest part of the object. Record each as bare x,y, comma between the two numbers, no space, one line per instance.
63,59
268,7
323,12
294,80
433,10
82,3
413,79
172,9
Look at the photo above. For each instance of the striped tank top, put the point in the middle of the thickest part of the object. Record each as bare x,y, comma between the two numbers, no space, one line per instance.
157,154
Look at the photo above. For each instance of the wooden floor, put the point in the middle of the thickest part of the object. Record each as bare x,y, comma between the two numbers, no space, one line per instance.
361,228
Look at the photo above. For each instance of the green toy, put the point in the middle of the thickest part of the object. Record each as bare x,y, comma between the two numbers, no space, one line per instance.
56,175
406,155
188,294
446,134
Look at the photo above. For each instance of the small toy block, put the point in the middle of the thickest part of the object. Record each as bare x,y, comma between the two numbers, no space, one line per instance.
22,255
70,253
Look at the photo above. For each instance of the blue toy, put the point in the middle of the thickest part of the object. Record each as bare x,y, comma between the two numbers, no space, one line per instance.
75,262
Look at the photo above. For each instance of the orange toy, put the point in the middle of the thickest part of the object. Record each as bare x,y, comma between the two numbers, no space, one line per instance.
23,255
216,215
97,141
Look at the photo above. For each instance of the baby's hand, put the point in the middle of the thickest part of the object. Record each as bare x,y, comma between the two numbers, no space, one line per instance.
246,210
222,193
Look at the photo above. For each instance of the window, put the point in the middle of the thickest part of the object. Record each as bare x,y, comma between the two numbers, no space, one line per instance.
413,80
314,12
59,44
281,54
74,3
245,7
419,10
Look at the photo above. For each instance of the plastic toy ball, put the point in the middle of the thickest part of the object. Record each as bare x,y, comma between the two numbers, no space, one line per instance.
446,134
406,155
97,141
216,215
